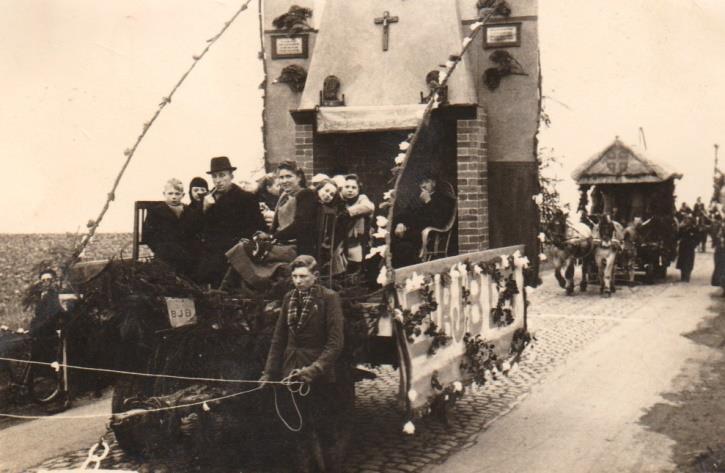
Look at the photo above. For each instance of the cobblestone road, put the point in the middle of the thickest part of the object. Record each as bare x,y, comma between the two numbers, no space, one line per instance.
561,324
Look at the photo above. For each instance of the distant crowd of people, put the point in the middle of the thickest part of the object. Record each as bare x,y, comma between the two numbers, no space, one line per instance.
284,216
695,224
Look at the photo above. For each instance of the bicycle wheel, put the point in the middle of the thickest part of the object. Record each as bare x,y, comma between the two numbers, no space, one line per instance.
12,373
44,383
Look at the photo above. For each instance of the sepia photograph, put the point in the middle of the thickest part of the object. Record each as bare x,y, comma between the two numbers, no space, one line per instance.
440,236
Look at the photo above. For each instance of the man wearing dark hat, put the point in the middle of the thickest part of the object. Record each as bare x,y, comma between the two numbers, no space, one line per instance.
230,214
306,347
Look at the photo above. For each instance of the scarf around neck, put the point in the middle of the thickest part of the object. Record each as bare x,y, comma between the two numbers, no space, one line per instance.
300,306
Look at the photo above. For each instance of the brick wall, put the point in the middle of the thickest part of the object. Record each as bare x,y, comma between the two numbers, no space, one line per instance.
304,147
472,163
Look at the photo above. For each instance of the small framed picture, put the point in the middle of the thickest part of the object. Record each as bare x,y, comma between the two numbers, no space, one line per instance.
289,46
502,35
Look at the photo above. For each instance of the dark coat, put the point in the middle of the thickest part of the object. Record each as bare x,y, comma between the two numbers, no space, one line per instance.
436,213
689,237
317,342
234,216
304,228
174,240
47,313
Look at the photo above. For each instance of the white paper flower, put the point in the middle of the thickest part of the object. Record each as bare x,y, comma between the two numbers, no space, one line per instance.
542,257
20,330
409,428
4,328
400,158
457,386
380,233
412,395
476,25
381,221
442,76
477,269
398,314
206,407
542,237
517,254
387,195
504,262
466,40
376,250
538,199
415,282
382,278
449,64
55,365
404,145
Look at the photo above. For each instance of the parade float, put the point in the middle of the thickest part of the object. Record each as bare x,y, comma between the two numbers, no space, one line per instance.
391,91
638,192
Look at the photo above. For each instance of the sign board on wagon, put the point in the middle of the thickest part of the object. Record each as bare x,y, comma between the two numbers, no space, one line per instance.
181,311
456,317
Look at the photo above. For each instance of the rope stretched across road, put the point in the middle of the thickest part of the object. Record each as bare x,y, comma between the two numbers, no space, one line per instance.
55,365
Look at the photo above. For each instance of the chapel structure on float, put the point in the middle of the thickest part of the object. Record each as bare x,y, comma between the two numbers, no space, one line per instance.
347,82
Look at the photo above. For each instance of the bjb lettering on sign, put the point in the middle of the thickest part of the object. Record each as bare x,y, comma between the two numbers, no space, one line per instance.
181,311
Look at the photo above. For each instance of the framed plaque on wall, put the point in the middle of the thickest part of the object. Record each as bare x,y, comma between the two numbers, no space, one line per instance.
290,46
502,35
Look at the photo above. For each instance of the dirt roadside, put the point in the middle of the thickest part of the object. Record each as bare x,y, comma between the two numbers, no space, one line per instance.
694,417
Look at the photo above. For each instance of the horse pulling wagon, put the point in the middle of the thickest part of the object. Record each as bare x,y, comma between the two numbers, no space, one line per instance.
638,193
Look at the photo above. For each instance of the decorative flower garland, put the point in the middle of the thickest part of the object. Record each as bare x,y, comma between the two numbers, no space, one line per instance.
484,365
502,314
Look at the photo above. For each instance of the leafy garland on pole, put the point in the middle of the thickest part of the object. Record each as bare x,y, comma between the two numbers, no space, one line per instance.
93,225
407,146
412,321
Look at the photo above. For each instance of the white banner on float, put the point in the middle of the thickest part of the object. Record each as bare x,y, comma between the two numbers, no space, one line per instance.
456,317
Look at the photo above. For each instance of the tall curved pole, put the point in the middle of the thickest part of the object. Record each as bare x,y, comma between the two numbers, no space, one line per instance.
129,153
432,104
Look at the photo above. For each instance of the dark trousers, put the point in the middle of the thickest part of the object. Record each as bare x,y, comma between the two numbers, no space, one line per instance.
321,444
406,250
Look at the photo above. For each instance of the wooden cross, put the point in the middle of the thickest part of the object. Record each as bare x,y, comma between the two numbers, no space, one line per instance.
386,20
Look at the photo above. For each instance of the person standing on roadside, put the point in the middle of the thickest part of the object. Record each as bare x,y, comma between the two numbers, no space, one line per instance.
689,238
306,347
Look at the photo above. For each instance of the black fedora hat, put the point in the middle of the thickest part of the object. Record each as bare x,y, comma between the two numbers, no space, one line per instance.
220,163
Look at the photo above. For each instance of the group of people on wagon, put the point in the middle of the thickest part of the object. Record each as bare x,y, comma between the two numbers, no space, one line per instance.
255,229
281,209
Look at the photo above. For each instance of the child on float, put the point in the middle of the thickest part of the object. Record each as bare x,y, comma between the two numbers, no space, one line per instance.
172,230
359,209
331,205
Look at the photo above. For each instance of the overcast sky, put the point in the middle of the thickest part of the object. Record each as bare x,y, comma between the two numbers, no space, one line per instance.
80,77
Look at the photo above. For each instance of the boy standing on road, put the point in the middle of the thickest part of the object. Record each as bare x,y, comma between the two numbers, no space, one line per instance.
306,345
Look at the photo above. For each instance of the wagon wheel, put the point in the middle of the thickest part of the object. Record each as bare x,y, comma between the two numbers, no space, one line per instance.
650,273
128,387
661,271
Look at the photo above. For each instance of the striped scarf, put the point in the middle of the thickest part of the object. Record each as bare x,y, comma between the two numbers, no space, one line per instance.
300,305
